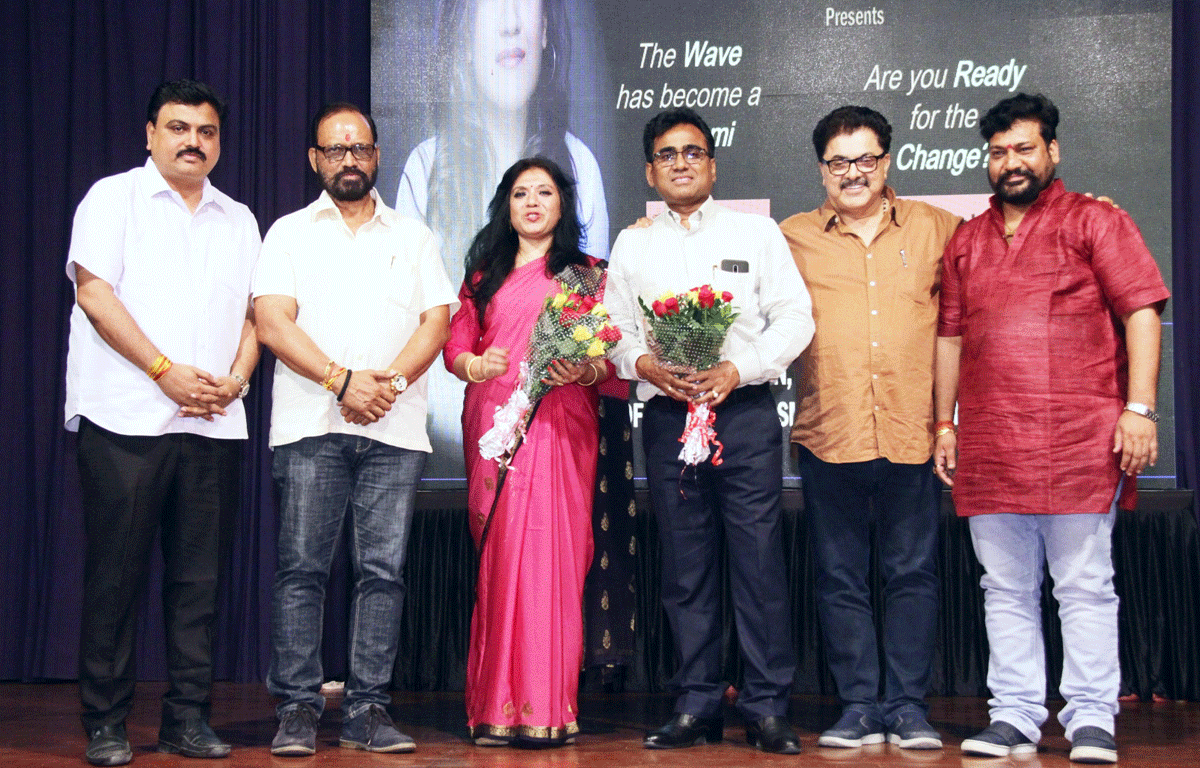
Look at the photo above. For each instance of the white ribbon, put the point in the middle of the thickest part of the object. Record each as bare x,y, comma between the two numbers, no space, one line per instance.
698,436
508,423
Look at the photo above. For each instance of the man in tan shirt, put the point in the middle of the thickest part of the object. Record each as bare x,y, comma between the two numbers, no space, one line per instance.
864,427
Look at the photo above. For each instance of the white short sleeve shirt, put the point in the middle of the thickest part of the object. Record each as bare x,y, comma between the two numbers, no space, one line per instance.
359,297
185,279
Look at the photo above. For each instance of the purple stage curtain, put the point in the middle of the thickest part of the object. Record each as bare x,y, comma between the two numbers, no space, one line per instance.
77,76
1185,242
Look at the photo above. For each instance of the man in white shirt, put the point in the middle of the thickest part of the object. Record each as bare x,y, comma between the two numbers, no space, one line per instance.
162,347
354,301
696,242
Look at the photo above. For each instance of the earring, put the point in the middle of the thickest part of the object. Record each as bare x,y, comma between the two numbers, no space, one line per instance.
553,61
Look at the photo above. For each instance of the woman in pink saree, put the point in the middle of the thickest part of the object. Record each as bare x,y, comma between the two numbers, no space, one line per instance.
527,628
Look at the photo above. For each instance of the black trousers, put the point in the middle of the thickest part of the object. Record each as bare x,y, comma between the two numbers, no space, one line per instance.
132,485
737,502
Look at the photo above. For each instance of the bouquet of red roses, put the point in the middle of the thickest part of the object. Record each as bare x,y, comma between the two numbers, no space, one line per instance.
685,333
570,327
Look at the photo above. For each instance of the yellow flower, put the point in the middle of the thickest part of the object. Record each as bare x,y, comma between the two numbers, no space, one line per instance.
599,310
665,295
559,300
582,333
694,296
596,348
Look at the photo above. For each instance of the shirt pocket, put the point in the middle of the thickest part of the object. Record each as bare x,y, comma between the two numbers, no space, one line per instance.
399,302
742,285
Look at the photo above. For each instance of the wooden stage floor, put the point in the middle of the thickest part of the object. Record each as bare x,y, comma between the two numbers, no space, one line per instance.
39,726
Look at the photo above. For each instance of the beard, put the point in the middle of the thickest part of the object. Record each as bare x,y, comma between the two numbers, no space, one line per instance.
350,184
1024,195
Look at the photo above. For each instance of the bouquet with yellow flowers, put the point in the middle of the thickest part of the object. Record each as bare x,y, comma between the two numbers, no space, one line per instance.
685,332
572,327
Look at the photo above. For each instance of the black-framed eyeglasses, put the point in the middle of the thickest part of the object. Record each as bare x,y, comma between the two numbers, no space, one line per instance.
838,166
691,154
335,152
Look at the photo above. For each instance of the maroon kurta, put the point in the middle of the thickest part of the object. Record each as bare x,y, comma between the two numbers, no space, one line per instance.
1043,373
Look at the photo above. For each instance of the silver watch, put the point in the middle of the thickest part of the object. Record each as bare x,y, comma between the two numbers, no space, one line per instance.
1141,409
399,383
245,385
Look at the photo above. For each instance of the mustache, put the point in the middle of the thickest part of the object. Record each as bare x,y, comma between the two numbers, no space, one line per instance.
1021,173
351,172
856,181
191,151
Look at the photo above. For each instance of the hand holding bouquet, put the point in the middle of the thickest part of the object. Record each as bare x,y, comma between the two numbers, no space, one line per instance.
570,328
685,333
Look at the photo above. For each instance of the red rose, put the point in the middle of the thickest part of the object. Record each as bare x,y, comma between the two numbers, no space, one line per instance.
672,306
726,296
609,334
587,304
706,297
659,308
568,317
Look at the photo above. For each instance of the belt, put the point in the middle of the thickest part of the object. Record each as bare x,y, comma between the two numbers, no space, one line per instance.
741,395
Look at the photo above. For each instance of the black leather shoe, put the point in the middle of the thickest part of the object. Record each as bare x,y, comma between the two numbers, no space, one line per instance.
685,731
108,745
191,738
773,734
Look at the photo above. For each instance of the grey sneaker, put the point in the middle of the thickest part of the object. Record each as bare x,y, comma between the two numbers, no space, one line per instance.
297,734
854,729
373,730
912,731
1092,744
998,740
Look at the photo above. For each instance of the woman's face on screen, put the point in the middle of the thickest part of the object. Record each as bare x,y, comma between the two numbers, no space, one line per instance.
510,36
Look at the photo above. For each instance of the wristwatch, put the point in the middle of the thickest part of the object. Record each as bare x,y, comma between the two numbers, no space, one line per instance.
1141,409
245,385
399,383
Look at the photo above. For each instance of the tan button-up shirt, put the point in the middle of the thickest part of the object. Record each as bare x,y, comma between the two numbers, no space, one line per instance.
865,384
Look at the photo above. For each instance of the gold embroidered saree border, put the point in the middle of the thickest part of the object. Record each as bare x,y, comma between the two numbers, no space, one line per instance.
531,732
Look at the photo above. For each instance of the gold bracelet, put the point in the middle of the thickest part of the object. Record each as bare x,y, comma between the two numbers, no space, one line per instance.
159,368
595,376
471,378
944,428
328,383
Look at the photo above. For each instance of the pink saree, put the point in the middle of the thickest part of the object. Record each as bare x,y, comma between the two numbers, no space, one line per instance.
527,628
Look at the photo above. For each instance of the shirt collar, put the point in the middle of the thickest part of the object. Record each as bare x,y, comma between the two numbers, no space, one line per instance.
831,218
156,184
697,217
324,208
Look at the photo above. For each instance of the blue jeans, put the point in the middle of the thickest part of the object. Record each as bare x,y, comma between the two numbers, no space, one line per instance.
320,480
843,503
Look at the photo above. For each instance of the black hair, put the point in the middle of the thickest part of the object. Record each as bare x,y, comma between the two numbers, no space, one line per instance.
848,119
1021,107
190,92
334,108
493,253
665,121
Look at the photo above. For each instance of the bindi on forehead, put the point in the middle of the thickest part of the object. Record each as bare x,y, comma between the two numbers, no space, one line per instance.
347,137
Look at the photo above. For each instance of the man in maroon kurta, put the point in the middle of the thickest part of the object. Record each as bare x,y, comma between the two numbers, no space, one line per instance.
1049,342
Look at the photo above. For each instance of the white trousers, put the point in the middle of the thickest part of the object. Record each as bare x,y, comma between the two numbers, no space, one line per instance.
1078,550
